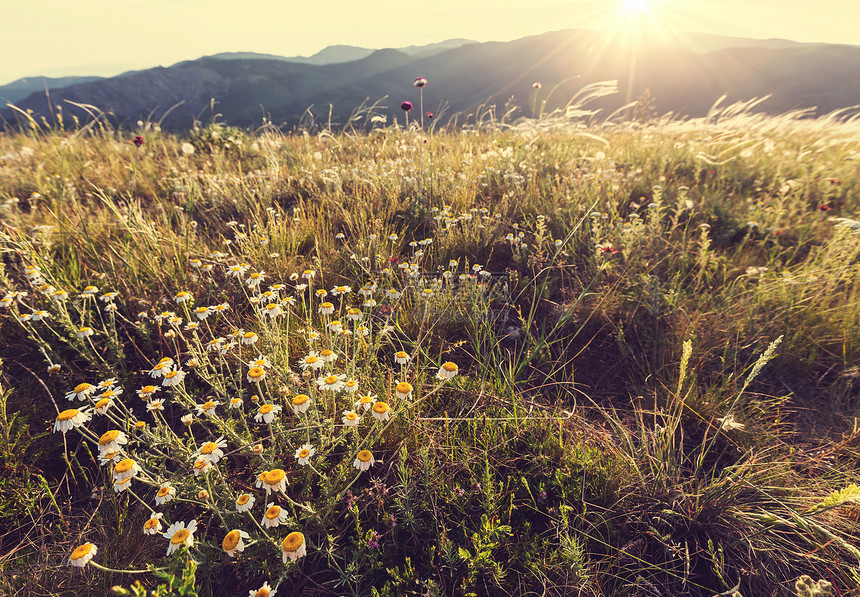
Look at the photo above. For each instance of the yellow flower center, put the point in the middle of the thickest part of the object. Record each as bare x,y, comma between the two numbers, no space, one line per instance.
266,409
180,536
150,524
82,550
311,360
208,448
208,404
326,353
81,387
331,379
140,425
449,367
243,499
163,491
273,512
262,593
164,360
147,390
68,415
293,541
351,383
231,540
103,403
171,374
123,481
401,355
250,335
365,455
256,372
300,399
304,453
200,464
123,466
351,416
380,408
404,387
273,477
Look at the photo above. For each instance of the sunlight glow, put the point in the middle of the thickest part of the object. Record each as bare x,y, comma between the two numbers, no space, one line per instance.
636,5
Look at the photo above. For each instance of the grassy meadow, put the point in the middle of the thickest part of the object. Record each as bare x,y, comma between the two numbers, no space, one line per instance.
537,357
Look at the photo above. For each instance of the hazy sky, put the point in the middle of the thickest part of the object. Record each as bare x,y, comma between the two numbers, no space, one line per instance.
105,37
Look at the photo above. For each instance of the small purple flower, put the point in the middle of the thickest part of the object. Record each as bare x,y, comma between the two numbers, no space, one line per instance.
406,106
373,540
420,82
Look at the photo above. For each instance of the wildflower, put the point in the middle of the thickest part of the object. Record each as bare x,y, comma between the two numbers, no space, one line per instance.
146,392
365,402
173,378
364,460
406,106
183,297
256,374
380,411
81,391
138,141
312,361
179,534
401,358
202,313
140,425
430,115
53,368
321,293
207,408
267,413
201,467
60,295
354,314
447,370
273,310
125,469
89,291
326,308
235,403
187,420
403,390
161,368
244,502
120,485
264,591
257,449
303,454
71,418
332,383
329,356
154,405
212,451
110,441
153,525
84,332
350,385
202,495
341,290
237,271
83,554
232,542
301,403
274,516
350,419
336,327
165,493
261,361
101,407
273,480
294,546
254,279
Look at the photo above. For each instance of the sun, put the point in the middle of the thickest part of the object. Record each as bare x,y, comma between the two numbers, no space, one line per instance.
636,5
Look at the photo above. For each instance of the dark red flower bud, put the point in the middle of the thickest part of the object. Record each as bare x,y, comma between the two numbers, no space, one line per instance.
138,140
420,82
406,106
430,115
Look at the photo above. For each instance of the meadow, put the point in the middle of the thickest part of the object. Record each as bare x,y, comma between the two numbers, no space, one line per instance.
545,356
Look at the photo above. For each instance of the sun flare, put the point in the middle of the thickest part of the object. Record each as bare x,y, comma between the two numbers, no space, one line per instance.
636,5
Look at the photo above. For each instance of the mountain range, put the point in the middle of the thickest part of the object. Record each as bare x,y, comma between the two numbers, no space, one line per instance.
685,74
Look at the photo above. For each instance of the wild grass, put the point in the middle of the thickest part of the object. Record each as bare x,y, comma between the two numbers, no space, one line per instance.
654,329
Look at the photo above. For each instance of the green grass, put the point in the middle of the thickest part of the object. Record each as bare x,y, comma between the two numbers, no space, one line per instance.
657,381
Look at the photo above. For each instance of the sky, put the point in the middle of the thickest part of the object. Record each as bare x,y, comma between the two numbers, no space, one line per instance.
107,37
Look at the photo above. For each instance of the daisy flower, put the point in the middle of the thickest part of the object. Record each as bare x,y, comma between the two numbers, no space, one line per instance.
202,313
274,516
179,534
54,368
329,356
201,466
364,460
354,314
303,454
264,591
120,485
380,411
71,418
183,297
312,361
245,502
161,368
165,493
294,546
81,391
249,338
237,271
350,418
326,308
233,542
126,469
110,441
236,403
187,420
101,407
173,378
447,370
83,554
365,401
84,332
301,403
256,374
401,358
267,413
147,391
332,383
261,361
341,290
154,405
254,279
309,274
350,385
403,390
153,525
336,327
273,480
207,408
89,291
212,451
273,310
60,296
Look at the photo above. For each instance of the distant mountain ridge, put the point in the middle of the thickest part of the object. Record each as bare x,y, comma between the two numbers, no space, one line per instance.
21,88
684,76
